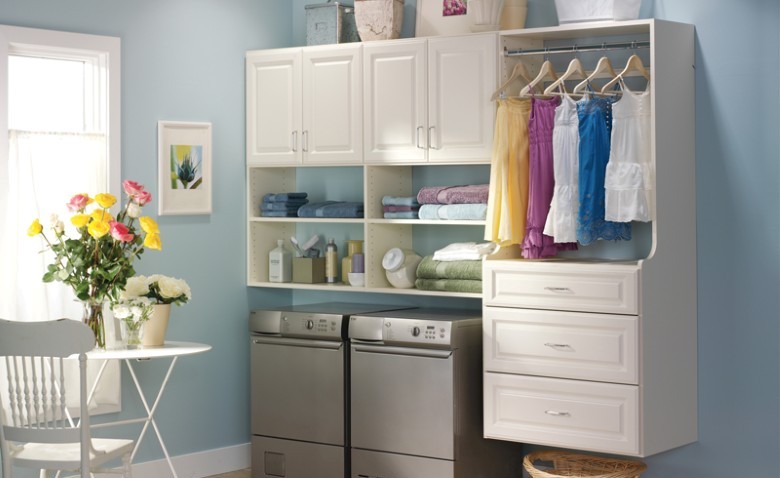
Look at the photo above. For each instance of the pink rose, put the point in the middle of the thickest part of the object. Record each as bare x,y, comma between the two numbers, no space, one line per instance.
120,232
132,188
78,202
142,198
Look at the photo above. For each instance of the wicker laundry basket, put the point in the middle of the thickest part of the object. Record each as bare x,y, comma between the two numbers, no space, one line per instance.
537,464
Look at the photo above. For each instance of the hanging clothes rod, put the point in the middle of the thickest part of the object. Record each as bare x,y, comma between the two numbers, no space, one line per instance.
577,48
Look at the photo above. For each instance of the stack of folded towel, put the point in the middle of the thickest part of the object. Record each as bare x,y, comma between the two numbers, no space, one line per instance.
455,268
454,202
332,209
282,204
402,207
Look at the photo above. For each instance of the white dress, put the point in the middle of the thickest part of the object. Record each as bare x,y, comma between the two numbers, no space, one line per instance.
562,219
630,175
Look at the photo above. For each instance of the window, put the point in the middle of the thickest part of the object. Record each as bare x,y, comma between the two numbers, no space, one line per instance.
60,136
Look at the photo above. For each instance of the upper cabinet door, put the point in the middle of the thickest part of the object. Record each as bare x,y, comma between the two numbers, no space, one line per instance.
332,130
395,106
462,75
273,107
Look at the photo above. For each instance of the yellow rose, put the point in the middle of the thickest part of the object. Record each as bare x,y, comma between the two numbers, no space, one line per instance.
98,229
35,228
100,215
105,200
79,220
149,225
152,241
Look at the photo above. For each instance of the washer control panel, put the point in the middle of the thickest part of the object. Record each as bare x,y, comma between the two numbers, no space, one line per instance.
414,331
314,326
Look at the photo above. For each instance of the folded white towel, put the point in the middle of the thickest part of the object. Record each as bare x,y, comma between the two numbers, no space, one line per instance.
465,251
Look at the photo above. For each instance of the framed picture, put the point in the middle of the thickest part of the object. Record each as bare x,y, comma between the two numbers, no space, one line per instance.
442,17
184,167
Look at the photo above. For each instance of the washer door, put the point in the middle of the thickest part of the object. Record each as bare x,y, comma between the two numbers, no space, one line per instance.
297,389
402,400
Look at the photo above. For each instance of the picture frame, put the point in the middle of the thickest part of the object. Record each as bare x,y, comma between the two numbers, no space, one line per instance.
430,20
184,158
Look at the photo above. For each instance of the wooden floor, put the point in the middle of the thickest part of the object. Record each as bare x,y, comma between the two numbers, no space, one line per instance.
234,474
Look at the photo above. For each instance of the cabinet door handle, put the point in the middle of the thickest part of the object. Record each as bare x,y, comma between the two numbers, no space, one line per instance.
295,141
558,346
431,131
419,129
555,413
558,289
305,141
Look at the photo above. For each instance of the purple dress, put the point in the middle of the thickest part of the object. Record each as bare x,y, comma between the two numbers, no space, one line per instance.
541,181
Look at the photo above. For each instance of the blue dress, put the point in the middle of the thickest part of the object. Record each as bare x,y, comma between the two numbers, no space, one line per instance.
595,126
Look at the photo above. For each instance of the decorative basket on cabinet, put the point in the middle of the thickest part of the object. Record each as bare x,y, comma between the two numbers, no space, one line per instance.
556,464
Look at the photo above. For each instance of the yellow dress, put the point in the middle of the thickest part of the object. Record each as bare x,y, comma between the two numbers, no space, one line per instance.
508,197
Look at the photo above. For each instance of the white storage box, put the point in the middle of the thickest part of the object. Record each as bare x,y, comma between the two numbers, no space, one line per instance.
574,11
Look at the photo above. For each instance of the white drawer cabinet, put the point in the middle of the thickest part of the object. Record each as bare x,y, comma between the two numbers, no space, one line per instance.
562,344
562,413
611,289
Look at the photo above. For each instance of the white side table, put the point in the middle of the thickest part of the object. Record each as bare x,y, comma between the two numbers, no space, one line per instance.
172,350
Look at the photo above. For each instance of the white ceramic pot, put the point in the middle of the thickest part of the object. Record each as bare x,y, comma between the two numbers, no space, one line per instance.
486,14
156,326
379,19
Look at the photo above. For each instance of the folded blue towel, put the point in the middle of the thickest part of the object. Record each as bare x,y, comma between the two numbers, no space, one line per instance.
279,206
280,213
399,201
454,211
401,215
332,209
279,197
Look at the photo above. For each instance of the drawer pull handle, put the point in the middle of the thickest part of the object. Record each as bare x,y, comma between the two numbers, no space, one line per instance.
558,346
557,414
558,289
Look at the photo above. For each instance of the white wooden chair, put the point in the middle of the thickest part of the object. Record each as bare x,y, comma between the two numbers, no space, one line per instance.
35,429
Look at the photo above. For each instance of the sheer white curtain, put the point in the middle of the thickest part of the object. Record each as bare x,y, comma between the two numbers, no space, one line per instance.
44,171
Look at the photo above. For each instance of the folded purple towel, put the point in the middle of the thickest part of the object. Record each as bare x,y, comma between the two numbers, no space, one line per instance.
400,208
469,194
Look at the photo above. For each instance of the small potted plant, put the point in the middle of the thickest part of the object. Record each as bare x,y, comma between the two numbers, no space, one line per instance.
162,291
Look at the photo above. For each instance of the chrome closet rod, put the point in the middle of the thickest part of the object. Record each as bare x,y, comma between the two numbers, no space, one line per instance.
578,49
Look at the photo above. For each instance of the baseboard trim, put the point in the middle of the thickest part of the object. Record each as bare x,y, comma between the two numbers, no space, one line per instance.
196,465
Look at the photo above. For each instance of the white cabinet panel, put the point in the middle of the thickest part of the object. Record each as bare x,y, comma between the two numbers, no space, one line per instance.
562,344
556,286
565,413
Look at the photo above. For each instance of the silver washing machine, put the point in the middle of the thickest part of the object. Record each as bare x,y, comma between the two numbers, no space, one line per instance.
416,398
299,389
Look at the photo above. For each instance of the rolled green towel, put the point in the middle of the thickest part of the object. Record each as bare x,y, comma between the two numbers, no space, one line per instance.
449,285
430,269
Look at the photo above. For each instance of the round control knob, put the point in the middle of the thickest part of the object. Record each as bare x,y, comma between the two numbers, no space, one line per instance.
309,324
415,331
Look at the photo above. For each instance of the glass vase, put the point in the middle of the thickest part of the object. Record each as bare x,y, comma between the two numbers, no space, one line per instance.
93,318
132,333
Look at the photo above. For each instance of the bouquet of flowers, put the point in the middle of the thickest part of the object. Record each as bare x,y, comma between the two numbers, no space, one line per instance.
133,313
98,260
158,288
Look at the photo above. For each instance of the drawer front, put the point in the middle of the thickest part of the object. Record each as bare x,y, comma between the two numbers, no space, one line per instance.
562,344
562,413
609,289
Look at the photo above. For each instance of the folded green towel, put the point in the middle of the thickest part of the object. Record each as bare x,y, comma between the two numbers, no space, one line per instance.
430,269
449,285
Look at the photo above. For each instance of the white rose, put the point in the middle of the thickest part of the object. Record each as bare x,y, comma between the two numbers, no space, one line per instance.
171,288
56,224
136,286
121,311
134,210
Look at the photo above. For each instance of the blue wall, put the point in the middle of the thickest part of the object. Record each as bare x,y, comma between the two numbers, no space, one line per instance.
183,60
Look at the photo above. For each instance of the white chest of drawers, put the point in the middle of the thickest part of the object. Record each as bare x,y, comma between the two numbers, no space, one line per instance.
571,360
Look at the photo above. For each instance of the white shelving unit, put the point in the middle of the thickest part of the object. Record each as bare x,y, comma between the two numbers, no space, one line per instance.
455,134
595,354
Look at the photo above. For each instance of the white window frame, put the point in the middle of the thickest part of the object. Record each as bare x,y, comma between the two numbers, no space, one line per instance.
102,51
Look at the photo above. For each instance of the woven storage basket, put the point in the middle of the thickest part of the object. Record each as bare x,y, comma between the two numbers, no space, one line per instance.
580,466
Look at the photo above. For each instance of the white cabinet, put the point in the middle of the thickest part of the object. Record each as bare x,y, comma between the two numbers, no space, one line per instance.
426,99
598,354
304,106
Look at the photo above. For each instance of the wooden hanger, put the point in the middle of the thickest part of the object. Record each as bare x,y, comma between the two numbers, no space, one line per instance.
603,69
575,68
518,72
634,63
546,71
